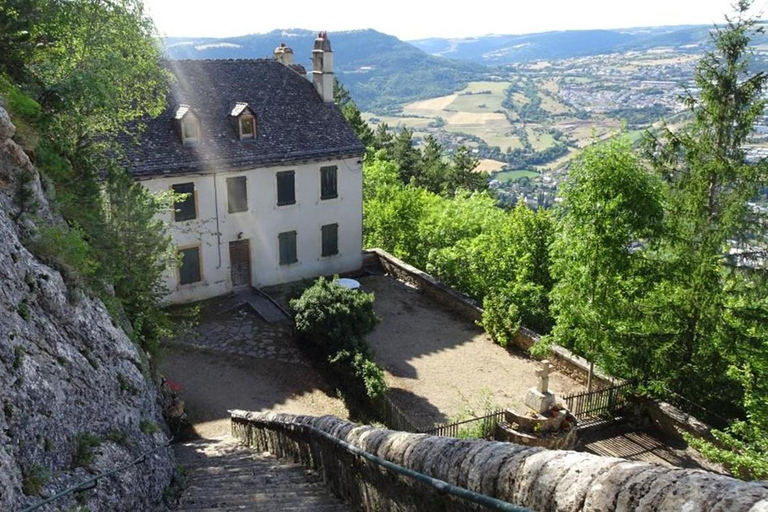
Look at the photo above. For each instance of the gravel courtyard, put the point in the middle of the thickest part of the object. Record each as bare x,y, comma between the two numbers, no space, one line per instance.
439,365
238,361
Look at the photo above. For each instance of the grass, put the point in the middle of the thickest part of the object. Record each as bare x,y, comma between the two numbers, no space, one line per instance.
539,138
512,176
34,480
85,444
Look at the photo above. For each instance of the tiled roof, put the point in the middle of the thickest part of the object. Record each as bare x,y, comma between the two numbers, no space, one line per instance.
293,123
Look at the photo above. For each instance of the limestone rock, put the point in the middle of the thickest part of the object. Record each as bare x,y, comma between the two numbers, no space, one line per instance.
66,370
7,129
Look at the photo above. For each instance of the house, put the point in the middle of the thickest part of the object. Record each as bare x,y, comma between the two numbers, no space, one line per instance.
270,171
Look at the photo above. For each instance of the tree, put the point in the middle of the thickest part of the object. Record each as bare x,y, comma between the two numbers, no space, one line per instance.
462,174
609,203
405,155
352,114
433,168
709,316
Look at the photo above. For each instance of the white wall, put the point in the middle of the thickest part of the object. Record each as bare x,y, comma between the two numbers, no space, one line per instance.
262,223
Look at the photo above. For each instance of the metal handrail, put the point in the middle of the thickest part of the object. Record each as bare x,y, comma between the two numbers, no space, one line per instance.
440,486
92,482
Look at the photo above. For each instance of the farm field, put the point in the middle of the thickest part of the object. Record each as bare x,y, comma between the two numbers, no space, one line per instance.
510,176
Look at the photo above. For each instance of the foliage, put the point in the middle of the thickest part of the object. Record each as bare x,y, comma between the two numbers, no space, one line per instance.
34,480
501,318
336,320
84,71
351,113
148,427
609,202
85,444
334,316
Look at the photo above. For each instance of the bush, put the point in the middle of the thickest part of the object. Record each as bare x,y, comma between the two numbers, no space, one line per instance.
501,318
333,316
84,445
34,480
335,321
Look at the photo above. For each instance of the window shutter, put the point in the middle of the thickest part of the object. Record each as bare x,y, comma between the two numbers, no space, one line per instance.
237,194
287,244
286,191
184,209
330,235
189,271
328,182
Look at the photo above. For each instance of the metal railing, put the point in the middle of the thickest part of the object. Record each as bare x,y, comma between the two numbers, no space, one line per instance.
394,417
599,404
93,481
481,427
300,442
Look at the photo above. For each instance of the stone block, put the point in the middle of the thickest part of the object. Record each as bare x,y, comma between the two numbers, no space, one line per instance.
538,401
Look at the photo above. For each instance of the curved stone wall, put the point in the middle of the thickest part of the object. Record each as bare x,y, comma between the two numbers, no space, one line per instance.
543,480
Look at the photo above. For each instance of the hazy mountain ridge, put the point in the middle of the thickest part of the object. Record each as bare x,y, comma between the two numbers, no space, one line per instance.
509,49
379,69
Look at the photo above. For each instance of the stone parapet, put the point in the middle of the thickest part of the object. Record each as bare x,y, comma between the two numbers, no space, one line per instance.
540,479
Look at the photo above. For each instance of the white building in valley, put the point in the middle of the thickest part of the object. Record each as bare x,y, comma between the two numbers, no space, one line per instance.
271,171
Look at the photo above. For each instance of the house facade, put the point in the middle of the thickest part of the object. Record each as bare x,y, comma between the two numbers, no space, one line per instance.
267,171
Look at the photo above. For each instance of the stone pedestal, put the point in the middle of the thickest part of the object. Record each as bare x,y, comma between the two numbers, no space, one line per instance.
538,401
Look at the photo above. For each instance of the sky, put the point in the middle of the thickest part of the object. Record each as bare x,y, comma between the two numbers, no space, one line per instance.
418,19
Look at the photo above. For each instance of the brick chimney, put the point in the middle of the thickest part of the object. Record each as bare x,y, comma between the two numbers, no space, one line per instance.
322,67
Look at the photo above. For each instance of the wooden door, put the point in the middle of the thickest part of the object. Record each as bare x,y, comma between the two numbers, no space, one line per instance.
240,262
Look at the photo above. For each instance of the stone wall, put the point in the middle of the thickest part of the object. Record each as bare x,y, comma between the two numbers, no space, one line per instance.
66,371
536,478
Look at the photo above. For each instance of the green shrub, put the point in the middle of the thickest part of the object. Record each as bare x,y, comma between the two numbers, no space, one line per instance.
34,479
117,436
148,427
362,370
334,316
501,318
84,446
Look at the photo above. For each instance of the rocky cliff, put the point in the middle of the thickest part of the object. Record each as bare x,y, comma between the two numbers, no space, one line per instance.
76,395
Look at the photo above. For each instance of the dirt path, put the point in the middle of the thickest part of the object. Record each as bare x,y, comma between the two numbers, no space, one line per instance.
439,365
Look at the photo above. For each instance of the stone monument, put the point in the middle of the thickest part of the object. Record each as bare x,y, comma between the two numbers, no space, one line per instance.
539,398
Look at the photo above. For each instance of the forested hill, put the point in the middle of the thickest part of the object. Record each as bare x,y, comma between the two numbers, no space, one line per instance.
380,70
507,49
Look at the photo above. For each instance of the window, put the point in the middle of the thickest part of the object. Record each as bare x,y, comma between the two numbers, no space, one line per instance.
328,183
330,239
184,209
189,269
287,247
189,130
286,191
247,127
237,195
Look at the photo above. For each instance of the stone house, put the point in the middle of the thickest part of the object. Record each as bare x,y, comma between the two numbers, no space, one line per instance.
271,172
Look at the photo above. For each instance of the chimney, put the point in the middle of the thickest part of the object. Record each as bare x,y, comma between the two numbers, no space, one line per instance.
322,67
284,54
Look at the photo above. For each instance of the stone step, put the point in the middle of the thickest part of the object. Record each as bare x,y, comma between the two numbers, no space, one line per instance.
222,475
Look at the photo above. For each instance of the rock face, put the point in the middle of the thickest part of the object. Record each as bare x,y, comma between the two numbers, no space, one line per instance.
76,396
540,479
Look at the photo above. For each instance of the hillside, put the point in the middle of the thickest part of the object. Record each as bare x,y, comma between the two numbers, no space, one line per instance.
379,69
509,49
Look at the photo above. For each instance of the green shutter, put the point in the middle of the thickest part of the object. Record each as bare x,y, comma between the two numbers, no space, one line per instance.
237,194
287,244
330,234
189,270
286,190
328,182
184,209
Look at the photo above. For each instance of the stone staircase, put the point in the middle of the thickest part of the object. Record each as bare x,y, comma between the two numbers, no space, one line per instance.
223,475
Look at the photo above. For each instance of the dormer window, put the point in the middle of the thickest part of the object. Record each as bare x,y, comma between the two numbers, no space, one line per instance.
244,121
187,124
247,127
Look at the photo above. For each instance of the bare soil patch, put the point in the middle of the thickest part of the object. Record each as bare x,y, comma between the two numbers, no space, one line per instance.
440,366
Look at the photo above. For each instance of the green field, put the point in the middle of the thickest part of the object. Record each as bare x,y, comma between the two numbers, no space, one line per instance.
510,176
